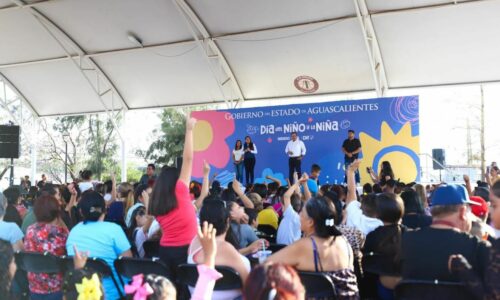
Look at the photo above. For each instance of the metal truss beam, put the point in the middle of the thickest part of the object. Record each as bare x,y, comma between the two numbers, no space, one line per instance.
211,52
372,46
64,40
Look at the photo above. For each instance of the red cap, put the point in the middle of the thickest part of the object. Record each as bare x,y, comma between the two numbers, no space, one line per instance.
479,210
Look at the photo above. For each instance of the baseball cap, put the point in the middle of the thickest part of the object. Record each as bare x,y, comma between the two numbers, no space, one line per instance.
479,210
451,194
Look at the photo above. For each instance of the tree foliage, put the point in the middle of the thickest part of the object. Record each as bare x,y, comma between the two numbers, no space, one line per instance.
91,143
169,144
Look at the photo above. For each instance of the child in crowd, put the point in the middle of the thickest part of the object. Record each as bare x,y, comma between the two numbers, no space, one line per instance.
315,172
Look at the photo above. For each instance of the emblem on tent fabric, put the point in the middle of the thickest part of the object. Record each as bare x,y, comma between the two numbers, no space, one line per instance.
306,84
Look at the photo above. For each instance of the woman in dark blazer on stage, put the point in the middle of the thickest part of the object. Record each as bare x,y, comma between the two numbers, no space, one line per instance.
250,150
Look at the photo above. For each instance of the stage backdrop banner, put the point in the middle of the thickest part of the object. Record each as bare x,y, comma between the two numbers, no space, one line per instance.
388,129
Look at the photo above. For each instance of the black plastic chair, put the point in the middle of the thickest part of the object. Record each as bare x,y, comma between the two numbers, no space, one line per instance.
267,232
409,289
129,267
276,247
377,263
94,265
151,248
36,262
188,274
318,285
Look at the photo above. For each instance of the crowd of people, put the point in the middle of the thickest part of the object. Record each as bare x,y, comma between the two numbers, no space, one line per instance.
388,238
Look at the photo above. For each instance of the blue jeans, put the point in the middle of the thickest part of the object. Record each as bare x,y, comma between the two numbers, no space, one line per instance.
239,171
347,163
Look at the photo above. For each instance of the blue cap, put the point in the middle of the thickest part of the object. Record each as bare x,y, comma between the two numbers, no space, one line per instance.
451,194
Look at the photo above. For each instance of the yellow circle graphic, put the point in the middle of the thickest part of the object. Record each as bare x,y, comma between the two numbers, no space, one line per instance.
402,164
203,135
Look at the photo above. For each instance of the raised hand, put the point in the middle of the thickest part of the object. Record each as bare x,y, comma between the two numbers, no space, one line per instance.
206,168
304,178
354,165
466,178
206,235
80,258
190,123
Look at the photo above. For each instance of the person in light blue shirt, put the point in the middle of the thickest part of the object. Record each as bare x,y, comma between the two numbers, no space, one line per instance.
101,239
9,231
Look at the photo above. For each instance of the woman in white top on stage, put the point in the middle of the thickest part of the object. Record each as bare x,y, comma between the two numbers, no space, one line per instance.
238,156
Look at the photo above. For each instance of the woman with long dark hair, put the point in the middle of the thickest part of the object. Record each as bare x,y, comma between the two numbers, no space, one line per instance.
7,268
238,156
414,216
171,204
386,172
249,160
322,249
385,242
215,212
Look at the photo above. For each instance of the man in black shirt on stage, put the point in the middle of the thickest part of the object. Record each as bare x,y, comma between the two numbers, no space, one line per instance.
351,148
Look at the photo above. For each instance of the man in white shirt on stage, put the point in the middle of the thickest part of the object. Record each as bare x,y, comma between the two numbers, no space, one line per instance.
295,149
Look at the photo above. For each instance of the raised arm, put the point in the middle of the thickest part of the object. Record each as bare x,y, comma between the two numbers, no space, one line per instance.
187,157
351,181
288,195
205,186
303,182
237,189
72,200
269,177
373,176
113,186
468,186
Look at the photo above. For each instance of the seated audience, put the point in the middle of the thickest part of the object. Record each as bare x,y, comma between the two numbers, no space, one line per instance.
273,281
244,235
11,212
86,181
215,213
425,252
99,238
354,236
8,269
422,196
118,209
48,234
487,285
356,217
322,249
289,228
138,231
9,231
414,216
382,249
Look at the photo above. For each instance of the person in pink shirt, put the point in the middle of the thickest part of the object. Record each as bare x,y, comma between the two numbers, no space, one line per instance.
170,203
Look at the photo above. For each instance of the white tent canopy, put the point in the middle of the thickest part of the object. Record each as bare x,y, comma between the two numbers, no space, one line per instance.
70,56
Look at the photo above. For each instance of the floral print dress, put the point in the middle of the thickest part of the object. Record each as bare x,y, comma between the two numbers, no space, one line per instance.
45,237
